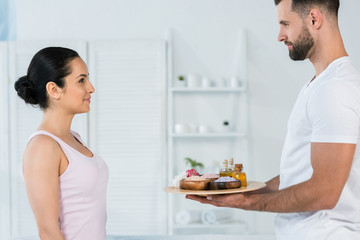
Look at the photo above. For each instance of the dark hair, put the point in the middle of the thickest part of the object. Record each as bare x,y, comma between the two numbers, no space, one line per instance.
303,7
50,64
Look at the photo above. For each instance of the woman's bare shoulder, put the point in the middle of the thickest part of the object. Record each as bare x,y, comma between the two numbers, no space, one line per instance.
41,148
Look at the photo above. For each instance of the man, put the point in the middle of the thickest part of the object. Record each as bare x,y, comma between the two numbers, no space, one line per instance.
317,193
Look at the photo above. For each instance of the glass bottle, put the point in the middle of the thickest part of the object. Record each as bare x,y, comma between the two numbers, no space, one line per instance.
231,164
240,175
225,171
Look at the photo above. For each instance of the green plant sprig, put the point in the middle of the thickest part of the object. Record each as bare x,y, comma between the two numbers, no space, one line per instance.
194,163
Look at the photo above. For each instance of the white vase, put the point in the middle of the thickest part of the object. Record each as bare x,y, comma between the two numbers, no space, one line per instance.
193,81
234,82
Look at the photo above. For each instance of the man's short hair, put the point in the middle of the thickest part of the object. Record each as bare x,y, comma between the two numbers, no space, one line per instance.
303,7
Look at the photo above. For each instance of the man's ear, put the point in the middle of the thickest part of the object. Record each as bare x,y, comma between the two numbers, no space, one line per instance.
315,18
53,90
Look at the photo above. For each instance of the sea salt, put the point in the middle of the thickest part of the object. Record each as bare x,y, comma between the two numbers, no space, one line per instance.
226,179
195,178
210,175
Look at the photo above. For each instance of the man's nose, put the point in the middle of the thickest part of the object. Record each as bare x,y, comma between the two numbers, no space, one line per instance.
281,37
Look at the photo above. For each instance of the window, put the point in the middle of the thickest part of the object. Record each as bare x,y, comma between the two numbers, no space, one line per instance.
7,20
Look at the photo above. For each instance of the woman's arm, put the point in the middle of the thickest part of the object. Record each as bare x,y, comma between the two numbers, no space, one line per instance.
41,163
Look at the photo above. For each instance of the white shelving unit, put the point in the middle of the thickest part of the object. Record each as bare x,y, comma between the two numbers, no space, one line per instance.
210,106
210,89
206,226
234,227
213,135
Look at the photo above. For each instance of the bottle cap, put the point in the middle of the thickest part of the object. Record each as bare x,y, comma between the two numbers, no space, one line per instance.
239,166
225,162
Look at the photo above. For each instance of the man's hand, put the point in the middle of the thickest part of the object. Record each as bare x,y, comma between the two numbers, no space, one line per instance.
238,200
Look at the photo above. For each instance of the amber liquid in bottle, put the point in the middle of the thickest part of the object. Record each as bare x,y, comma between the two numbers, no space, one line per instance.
225,171
239,174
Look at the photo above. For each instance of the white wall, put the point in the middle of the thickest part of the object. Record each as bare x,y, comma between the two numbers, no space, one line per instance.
204,33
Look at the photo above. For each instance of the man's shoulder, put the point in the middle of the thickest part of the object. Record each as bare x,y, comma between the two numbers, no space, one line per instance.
346,70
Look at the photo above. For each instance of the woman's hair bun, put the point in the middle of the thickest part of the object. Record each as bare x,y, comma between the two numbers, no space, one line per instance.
25,90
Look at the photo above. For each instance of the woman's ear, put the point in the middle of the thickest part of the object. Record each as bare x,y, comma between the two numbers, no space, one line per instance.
315,18
53,90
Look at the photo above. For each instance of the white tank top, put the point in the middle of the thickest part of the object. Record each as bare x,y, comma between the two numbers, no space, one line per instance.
82,193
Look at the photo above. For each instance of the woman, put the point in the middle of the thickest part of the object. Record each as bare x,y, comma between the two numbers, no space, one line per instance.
65,181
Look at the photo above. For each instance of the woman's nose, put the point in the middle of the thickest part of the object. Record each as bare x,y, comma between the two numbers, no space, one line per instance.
91,88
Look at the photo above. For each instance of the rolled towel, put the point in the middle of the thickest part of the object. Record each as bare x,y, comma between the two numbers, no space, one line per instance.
184,217
216,216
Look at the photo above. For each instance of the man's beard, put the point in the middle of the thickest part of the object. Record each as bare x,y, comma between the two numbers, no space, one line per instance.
301,46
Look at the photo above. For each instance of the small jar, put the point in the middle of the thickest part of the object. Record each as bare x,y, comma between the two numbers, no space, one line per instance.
239,174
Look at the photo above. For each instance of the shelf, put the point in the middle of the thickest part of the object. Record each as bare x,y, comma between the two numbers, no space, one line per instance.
213,89
238,225
201,135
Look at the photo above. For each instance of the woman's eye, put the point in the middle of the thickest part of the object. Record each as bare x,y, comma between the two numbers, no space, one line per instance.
82,80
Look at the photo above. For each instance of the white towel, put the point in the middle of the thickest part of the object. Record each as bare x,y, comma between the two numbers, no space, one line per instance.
184,217
216,216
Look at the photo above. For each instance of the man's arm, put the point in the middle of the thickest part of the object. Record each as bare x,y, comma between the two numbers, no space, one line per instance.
271,186
331,163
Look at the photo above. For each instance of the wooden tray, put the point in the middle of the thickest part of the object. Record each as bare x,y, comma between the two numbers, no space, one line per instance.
251,186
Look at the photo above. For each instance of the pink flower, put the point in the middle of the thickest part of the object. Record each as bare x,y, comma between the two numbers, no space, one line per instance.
192,172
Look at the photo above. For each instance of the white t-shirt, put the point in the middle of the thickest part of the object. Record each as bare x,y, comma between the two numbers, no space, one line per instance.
327,110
